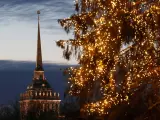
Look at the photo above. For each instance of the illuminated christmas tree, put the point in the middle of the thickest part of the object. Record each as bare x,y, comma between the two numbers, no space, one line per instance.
108,74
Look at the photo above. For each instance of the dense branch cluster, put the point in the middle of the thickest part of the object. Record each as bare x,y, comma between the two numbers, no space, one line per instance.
107,76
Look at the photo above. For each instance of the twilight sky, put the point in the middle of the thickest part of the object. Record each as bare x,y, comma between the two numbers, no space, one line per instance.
18,29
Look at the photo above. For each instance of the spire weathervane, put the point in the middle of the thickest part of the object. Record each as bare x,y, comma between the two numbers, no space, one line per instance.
38,12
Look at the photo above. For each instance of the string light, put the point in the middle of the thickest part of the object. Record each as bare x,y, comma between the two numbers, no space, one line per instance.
101,28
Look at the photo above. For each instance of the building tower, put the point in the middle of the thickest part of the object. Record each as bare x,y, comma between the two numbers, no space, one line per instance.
39,95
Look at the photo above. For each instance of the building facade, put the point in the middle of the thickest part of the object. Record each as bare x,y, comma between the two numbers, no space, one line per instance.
39,96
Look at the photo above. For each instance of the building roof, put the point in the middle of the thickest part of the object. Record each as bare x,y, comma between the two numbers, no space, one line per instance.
39,83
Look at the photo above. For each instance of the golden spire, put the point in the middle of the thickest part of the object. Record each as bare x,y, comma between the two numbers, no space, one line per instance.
39,65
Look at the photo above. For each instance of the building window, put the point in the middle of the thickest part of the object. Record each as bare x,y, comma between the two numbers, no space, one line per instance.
50,106
43,107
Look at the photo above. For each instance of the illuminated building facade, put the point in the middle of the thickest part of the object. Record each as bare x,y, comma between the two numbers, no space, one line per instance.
39,94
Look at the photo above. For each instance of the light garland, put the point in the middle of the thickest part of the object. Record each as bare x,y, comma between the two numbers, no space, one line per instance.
101,28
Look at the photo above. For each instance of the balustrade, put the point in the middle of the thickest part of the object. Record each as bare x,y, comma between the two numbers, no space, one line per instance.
39,95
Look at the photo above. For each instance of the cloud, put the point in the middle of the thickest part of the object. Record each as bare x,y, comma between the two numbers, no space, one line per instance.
18,28
25,11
